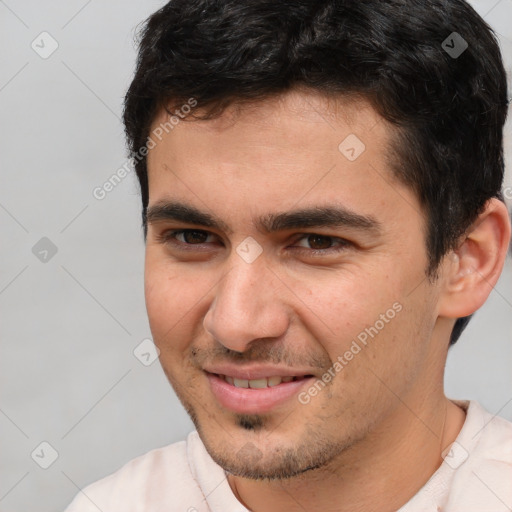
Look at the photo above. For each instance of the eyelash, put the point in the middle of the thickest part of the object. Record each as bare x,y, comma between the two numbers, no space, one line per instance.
170,237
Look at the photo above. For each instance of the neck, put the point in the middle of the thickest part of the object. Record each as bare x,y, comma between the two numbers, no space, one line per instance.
380,473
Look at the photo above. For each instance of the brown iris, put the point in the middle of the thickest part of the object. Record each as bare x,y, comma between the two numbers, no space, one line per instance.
195,237
319,242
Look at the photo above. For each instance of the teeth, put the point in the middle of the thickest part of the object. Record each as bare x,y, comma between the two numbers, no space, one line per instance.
241,383
274,381
256,383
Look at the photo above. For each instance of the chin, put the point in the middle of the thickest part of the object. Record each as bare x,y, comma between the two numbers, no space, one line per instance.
250,462
247,449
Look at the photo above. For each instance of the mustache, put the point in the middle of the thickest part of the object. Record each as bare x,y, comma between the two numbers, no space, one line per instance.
261,353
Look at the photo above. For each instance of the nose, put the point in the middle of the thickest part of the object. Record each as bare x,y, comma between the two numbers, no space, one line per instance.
248,305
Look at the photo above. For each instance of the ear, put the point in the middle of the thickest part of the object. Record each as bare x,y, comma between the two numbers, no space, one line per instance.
471,270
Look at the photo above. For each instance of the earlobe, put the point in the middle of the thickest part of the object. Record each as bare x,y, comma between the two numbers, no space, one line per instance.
473,268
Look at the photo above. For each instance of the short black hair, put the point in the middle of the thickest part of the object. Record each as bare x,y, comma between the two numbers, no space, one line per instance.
432,68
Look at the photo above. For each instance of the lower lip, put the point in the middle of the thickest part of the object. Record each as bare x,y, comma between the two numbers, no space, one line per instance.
253,401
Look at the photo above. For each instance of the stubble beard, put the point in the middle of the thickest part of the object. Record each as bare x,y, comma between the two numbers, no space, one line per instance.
312,451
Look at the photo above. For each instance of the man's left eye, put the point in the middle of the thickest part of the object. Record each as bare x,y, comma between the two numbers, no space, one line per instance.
321,242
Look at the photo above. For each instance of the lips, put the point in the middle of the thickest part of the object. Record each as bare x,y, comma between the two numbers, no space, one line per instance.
255,395
255,371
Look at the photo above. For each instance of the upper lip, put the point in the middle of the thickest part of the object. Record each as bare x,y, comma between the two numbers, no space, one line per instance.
253,372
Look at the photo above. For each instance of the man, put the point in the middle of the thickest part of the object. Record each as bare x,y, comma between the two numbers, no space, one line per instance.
321,201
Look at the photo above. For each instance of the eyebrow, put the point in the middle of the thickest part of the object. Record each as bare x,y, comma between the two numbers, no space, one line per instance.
320,216
180,212
326,216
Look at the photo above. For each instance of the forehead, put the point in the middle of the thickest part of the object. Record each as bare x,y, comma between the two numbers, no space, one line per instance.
294,150
296,116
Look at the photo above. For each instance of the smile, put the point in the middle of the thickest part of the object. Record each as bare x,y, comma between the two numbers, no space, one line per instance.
256,396
258,383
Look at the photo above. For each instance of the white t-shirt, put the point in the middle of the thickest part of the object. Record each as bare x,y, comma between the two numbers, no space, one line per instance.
476,476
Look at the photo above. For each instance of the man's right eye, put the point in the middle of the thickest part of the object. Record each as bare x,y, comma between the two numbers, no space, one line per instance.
187,237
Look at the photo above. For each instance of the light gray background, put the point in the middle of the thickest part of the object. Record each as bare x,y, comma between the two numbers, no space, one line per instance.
69,326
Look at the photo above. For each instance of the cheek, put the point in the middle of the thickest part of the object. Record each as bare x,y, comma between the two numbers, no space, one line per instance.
173,303
367,319
338,306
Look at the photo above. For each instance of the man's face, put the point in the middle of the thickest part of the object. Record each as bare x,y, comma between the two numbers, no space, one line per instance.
307,254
